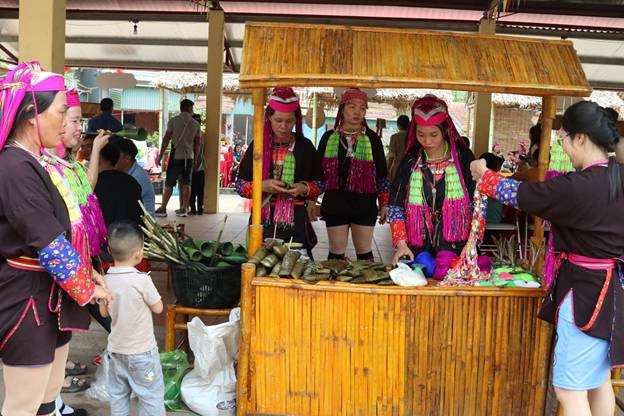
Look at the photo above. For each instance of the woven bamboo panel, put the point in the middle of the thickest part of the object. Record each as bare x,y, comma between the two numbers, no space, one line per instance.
328,349
325,55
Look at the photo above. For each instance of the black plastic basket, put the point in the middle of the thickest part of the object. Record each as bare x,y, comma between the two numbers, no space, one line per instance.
213,287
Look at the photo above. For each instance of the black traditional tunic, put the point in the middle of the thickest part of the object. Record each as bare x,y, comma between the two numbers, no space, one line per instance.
340,205
32,214
584,222
398,196
308,169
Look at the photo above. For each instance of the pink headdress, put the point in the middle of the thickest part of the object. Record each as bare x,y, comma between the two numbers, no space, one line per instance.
431,111
25,77
73,99
348,95
284,100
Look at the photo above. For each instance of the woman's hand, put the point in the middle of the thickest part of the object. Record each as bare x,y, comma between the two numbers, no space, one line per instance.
102,294
298,189
311,208
100,140
98,279
402,250
383,215
477,168
273,186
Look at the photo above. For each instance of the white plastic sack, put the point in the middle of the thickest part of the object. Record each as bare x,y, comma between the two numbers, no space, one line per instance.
98,389
403,275
215,398
210,388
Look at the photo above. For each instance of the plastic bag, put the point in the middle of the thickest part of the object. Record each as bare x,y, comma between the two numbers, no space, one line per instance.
403,275
174,365
99,387
210,388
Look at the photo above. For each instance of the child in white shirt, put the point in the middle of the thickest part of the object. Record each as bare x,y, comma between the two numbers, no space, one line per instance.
134,359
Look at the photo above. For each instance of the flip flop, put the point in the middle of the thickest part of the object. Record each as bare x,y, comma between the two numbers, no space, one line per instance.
76,385
77,368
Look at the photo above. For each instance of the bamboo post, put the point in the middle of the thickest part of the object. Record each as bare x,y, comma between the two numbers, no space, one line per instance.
314,126
549,107
258,97
170,328
248,271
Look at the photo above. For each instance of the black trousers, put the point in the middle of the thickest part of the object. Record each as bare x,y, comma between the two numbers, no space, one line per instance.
197,192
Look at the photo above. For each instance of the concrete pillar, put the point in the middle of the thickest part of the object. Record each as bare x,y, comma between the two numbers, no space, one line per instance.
42,33
483,103
216,24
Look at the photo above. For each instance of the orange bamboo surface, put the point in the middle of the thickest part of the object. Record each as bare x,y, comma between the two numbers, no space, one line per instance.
328,55
343,349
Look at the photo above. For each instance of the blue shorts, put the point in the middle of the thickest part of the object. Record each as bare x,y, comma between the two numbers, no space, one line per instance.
580,361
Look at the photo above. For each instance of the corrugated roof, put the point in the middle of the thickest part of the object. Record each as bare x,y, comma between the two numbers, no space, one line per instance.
398,58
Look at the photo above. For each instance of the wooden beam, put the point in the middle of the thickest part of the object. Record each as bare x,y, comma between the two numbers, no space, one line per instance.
42,33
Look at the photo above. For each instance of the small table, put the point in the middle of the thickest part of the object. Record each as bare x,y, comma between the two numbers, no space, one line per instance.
173,309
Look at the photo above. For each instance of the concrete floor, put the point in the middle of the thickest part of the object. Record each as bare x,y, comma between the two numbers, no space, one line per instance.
85,346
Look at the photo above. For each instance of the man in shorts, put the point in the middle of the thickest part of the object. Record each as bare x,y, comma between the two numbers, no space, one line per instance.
183,133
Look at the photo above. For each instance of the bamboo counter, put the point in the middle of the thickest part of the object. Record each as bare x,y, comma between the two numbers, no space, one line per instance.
343,349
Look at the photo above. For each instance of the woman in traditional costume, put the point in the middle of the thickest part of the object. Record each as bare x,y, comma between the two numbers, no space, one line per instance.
89,226
586,212
357,178
44,276
292,173
429,206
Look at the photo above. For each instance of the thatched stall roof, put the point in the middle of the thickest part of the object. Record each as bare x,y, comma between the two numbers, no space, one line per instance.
607,99
398,58
194,82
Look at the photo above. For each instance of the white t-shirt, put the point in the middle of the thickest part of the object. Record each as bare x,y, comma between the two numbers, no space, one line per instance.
132,329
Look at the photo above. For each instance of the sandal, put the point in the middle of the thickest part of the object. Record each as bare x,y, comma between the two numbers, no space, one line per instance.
76,385
75,368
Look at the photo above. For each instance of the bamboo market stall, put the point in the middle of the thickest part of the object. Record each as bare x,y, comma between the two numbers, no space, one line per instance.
344,349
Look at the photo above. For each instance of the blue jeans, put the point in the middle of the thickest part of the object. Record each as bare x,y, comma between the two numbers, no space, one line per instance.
138,373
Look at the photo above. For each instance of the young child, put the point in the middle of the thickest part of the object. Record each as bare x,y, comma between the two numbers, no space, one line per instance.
134,360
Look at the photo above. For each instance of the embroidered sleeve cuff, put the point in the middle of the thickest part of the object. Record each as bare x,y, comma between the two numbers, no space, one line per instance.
383,198
398,231
497,186
63,263
315,188
489,181
244,188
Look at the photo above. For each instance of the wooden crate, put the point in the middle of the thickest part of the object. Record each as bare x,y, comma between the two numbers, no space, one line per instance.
342,349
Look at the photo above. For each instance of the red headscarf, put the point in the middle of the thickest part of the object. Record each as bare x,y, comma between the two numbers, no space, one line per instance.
348,95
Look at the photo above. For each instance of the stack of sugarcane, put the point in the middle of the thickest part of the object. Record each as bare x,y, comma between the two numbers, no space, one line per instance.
161,244
164,245
276,260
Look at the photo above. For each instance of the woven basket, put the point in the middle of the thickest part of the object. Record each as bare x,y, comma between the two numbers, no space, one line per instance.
218,287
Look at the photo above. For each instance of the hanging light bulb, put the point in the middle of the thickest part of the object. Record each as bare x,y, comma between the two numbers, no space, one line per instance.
135,24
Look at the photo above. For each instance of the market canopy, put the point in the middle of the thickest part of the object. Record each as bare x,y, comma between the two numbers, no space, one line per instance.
322,55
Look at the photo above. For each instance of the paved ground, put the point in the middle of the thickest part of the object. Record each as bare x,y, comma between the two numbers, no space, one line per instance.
85,346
